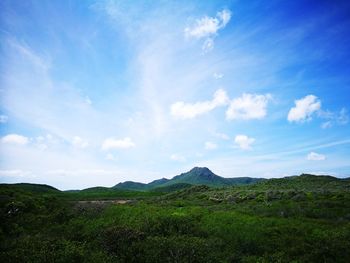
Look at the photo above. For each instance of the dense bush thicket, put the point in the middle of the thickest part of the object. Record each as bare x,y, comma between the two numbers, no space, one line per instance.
200,224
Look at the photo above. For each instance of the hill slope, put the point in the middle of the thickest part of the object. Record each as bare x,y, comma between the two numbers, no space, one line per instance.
196,176
35,188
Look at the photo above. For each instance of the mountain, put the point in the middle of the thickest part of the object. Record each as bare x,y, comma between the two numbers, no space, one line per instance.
196,176
199,176
157,183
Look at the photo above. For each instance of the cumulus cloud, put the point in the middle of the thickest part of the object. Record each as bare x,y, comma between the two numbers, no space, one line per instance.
210,146
3,118
208,27
304,108
79,142
248,106
184,110
177,157
15,139
112,143
312,156
244,142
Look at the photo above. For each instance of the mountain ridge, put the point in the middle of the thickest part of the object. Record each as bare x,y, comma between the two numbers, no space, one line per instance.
196,176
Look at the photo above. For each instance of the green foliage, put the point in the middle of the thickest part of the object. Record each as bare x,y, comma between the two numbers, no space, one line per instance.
296,219
172,187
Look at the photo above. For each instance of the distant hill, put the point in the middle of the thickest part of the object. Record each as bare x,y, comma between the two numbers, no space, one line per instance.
305,182
36,188
129,185
96,189
196,176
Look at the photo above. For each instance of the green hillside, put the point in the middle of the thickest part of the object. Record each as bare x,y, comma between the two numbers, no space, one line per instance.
129,185
196,176
293,219
172,188
35,188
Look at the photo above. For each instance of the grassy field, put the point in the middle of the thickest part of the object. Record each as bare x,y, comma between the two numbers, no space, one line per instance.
297,219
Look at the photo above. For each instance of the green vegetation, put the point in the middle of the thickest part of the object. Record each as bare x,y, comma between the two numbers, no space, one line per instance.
196,176
296,219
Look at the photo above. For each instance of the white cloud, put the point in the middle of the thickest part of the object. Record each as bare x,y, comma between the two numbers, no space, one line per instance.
248,106
208,27
112,143
304,108
15,139
244,142
188,111
208,45
79,142
222,135
312,156
342,117
45,142
218,75
210,146
333,118
3,118
177,157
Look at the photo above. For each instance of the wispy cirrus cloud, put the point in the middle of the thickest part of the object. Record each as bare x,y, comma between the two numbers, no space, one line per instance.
334,118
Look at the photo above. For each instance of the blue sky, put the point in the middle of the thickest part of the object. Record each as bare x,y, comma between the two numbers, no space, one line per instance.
98,92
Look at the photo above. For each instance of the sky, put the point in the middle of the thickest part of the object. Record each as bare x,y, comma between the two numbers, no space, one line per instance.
99,92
